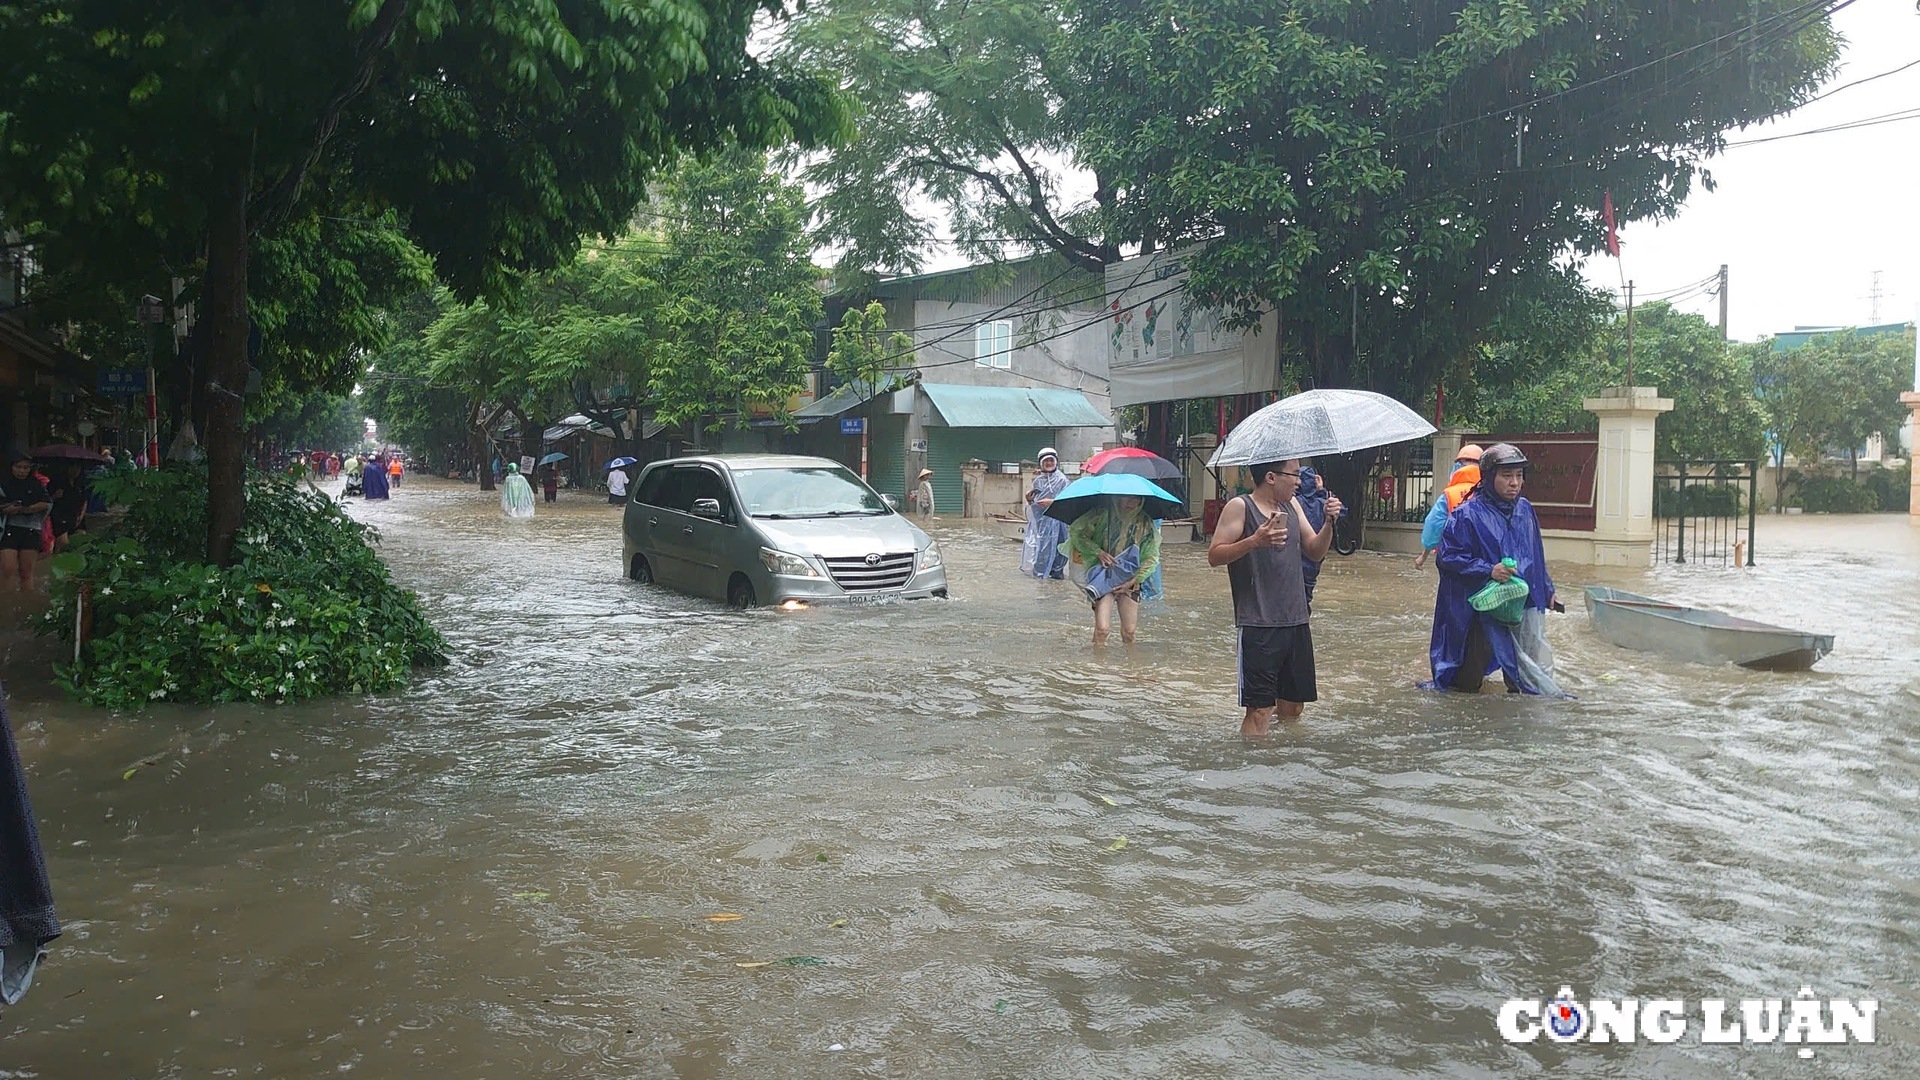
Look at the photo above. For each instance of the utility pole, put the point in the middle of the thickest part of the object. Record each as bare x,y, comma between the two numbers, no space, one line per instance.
1873,298
1723,301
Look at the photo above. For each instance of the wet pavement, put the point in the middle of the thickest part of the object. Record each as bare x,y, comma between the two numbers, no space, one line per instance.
917,812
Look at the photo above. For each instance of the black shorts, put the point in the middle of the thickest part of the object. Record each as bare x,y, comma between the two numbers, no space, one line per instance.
1276,664
15,539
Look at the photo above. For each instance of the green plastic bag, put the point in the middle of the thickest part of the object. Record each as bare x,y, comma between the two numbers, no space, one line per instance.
1505,601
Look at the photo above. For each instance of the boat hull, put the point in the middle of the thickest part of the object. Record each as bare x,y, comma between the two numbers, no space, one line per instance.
1700,635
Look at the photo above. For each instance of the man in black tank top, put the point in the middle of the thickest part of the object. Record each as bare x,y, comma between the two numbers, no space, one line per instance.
1262,540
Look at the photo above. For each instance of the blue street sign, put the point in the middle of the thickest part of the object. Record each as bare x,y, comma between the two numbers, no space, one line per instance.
853,425
123,381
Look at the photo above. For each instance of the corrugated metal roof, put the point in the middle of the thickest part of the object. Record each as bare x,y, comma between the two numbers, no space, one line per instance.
842,399
1012,407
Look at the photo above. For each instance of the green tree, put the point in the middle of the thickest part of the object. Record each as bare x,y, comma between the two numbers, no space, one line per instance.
498,131
398,391
1834,391
1401,177
1872,371
734,329
961,128
1397,174
595,349
313,420
863,349
1716,409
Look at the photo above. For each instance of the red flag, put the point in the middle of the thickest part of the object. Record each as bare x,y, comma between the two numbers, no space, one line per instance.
1606,215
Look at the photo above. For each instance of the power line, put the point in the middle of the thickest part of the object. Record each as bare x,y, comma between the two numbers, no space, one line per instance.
1857,82
1849,125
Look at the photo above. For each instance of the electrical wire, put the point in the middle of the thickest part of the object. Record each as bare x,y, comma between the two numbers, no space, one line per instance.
1849,125
1857,82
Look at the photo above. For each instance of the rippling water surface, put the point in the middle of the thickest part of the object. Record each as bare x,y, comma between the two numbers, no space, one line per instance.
917,812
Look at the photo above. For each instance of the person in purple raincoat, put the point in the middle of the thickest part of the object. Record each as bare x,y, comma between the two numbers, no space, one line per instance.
1496,523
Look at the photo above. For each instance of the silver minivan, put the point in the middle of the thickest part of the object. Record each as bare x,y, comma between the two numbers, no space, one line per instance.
774,529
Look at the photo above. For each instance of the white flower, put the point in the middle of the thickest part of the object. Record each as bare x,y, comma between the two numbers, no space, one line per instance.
286,622
155,695
299,664
107,591
283,647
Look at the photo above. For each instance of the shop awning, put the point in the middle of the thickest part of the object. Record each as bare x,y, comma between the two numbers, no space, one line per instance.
565,428
843,398
1012,407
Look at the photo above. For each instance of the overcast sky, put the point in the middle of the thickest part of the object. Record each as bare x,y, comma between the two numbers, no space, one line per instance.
1802,223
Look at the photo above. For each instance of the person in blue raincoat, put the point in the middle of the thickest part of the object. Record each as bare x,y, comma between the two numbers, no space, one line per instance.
1497,523
1040,554
373,479
1313,504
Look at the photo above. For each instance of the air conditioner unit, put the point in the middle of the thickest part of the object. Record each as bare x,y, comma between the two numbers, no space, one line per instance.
917,446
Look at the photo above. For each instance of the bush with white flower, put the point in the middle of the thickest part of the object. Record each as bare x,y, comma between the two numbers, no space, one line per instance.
306,610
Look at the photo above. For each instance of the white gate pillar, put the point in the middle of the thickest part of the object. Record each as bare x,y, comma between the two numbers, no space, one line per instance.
1623,488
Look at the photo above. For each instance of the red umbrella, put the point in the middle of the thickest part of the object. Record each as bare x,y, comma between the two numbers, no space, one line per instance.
69,452
1133,460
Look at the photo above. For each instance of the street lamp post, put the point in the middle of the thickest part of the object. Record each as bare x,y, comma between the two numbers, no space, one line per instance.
152,313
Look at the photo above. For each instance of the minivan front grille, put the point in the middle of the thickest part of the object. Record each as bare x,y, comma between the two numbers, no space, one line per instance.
864,573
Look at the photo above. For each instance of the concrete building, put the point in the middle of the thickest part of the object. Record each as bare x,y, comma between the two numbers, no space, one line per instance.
1006,359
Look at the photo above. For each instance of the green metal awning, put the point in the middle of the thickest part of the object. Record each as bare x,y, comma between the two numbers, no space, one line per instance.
1012,407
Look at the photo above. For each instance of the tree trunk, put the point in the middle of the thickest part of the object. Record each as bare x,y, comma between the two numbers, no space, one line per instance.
532,439
224,369
482,459
1853,464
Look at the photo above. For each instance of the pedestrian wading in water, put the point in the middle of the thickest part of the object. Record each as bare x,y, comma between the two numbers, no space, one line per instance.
1117,547
24,502
1264,541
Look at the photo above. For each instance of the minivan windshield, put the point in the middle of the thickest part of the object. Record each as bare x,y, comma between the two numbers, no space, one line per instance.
819,491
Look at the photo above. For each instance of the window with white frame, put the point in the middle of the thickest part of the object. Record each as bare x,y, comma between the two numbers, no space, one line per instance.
993,344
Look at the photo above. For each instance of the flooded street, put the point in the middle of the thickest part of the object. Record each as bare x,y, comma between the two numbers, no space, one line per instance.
917,812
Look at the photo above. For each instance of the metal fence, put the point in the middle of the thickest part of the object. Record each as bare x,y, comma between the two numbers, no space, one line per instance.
1704,512
1401,495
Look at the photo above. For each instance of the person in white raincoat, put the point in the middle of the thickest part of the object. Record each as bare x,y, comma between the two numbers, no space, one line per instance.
516,495
1040,556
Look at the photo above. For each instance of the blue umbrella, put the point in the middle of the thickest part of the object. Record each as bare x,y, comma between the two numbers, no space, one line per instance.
1086,494
621,462
551,458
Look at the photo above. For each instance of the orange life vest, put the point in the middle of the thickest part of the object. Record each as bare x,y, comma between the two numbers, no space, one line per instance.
1461,485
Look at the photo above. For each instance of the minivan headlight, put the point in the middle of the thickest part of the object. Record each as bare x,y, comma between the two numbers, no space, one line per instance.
785,564
930,558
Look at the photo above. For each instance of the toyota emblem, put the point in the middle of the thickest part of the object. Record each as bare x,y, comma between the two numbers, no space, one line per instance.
873,559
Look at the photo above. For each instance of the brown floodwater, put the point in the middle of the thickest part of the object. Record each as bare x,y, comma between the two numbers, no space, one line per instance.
916,810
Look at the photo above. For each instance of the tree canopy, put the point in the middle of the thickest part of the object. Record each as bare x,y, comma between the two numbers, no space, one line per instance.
1834,391
499,133
1716,411
1405,179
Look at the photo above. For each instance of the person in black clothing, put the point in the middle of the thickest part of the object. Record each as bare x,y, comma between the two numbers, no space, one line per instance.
24,503
69,511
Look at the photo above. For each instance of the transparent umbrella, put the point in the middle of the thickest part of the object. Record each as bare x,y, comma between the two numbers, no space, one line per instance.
1319,422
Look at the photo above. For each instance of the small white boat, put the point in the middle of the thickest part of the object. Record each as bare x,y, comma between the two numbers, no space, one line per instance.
1011,526
1700,635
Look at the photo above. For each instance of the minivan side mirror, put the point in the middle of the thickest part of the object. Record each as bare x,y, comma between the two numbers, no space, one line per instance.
707,508
891,502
